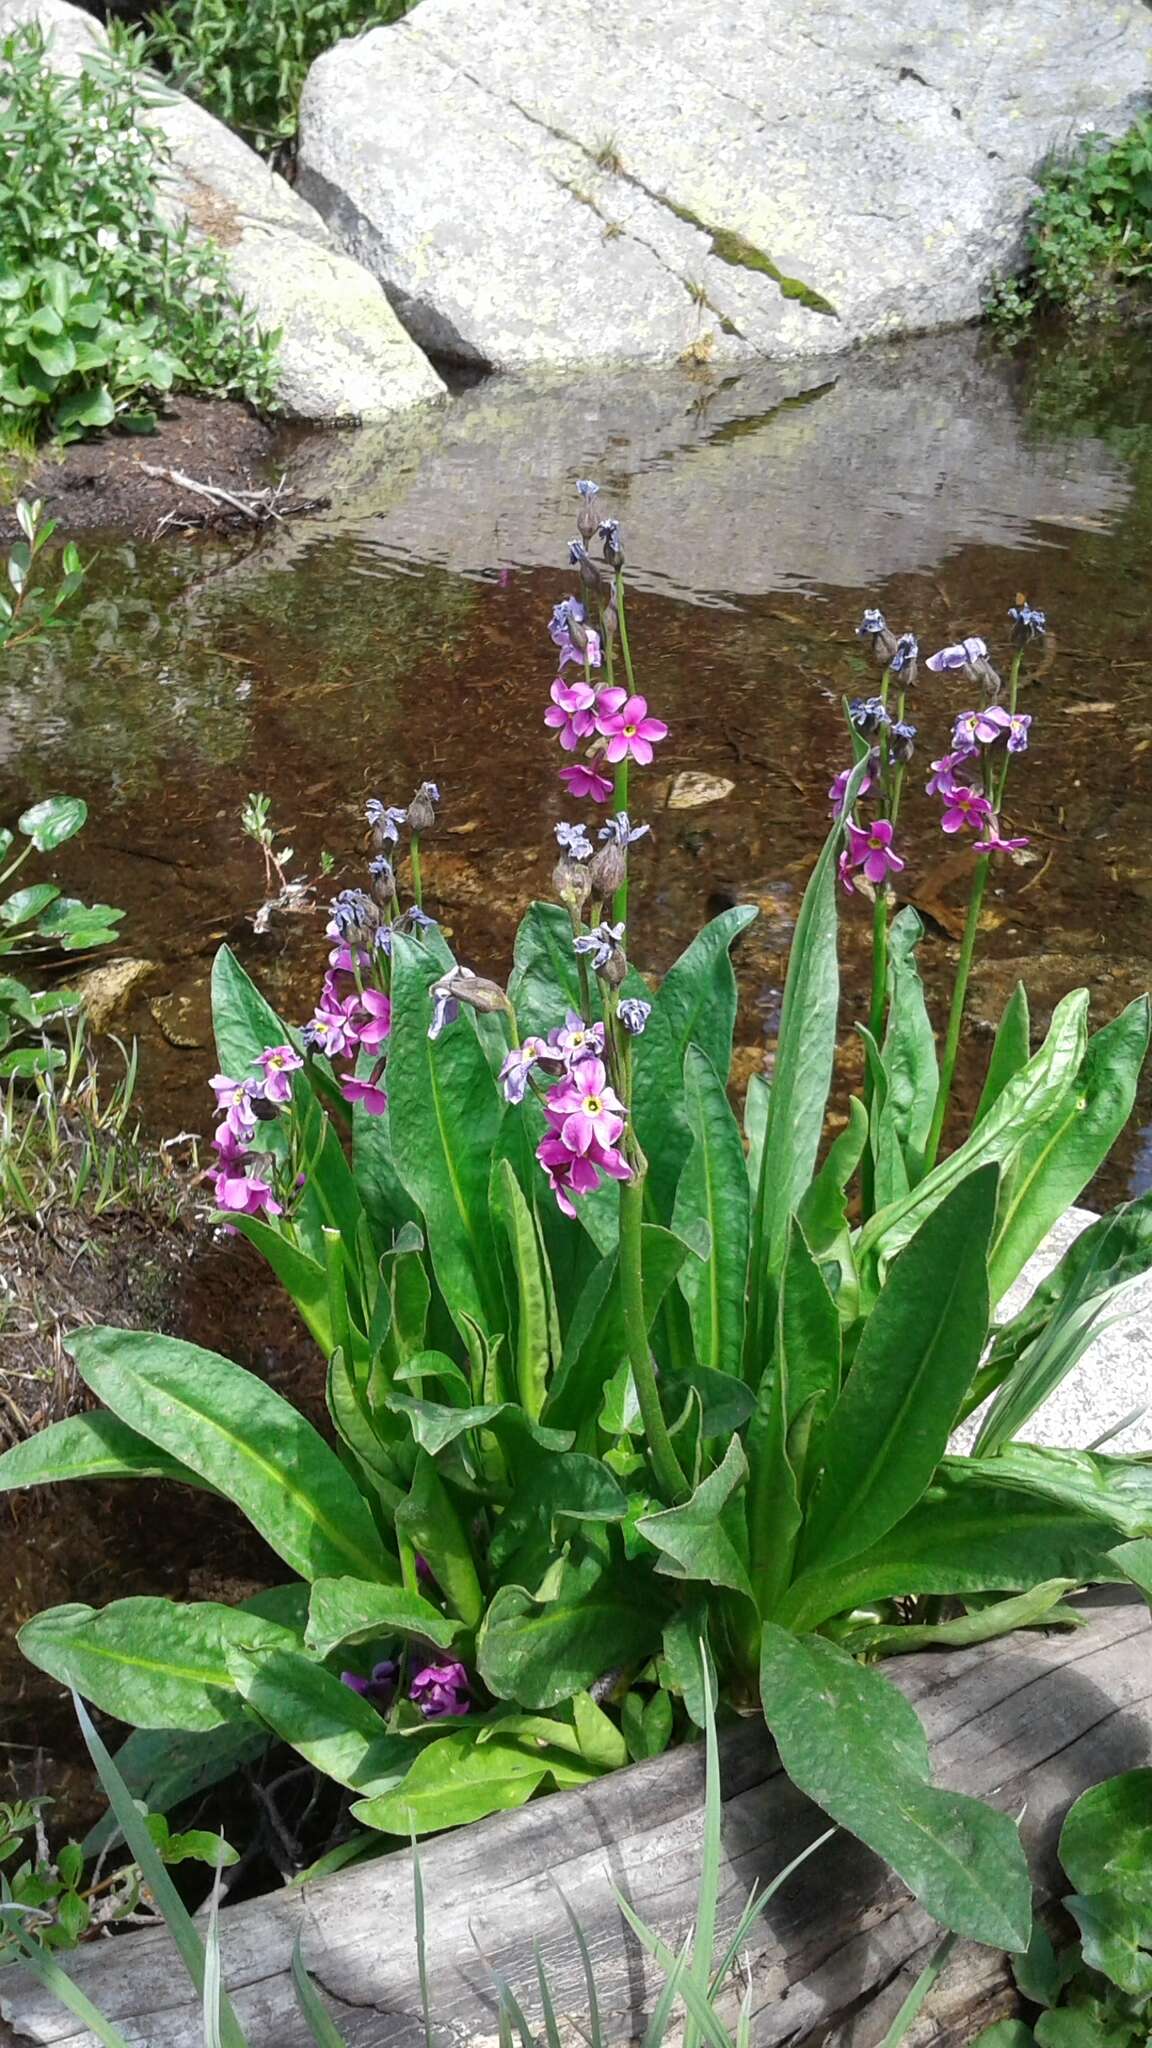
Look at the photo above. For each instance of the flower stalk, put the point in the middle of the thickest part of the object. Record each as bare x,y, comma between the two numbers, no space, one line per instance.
670,1482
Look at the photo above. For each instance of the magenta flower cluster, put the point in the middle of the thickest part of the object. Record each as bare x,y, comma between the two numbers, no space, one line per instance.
586,1117
239,1180
441,1691
352,1017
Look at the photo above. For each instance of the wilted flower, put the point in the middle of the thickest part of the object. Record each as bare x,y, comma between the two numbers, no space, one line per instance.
905,659
385,820
968,658
622,830
871,852
571,712
586,516
585,779
279,1063
380,1688
413,920
869,716
628,729
572,635
901,743
458,986
591,575
421,810
383,880
574,840
517,1066
964,806
634,1014
875,628
605,946
609,531
234,1102
577,1040
441,1690
354,917
1029,622
993,843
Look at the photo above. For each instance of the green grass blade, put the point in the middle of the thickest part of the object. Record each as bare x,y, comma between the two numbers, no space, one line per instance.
308,1998
177,1918
421,1942
59,1983
709,1887
596,2033
667,1999
910,2010
757,1902
551,2030
213,1983
697,2000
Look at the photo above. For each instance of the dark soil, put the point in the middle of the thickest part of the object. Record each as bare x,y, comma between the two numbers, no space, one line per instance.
103,482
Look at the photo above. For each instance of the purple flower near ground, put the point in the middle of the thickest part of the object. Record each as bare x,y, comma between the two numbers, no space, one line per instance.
574,841
440,1691
906,655
871,852
838,790
586,780
333,1030
577,1040
961,654
942,780
964,807
370,1095
1019,726
234,1100
589,1110
570,714
380,1688
279,1062
1030,622
622,830
386,819
634,1014
518,1064
244,1193
600,944
992,841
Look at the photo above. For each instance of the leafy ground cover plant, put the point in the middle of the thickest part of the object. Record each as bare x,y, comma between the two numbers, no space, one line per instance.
247,62
104,307
36,918
606,1377
1090,233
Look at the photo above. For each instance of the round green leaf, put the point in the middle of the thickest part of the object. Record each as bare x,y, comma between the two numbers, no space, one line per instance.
50,823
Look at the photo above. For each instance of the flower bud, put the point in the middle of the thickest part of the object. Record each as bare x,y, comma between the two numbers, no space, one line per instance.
586,518
901,743
421,811
572,882
875,629
608,870
383,880
609,531
481,995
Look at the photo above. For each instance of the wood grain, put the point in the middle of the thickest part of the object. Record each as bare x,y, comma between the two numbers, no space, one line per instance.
1028,1723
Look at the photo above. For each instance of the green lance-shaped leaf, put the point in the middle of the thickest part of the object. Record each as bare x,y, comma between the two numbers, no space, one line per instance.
1135,1561
711,1214
462,1778
444,1112
967,1535
909,1050
338,1731
387,1203
545,980
1030,1095
805,1053
1062,1150
1010,1049
153,1663
852,1742
244,1023
1116,1490
694,1005
533,1286
596,1345
706,1537
982,1625
1106,1840
430,1524
823,1210
243,1439
539,1653
97,1446
360,1611
796,1394
915,1361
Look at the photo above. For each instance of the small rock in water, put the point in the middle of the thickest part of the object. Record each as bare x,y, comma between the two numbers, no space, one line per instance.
691,789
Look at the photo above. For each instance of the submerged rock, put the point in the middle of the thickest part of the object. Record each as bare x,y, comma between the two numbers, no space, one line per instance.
537,182
343,354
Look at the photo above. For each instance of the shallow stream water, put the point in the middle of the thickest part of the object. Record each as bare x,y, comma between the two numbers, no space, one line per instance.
401,635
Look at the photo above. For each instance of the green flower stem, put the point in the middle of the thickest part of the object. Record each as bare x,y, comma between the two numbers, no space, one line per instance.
581,967
669,1480
956,1013
623,624
620,803
417,881
17,863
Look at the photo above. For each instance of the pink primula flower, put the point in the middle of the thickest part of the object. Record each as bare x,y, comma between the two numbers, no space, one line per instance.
586,1108
871,851
570,713
631,732
964,807
586,780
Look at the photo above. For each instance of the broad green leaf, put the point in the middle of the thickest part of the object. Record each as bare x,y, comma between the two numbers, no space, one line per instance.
1091,2023
545,981
596,1345
529,1263
541,1653
386,1200
1116,1490
680,1664
852,1743
1135,1561
797,1391
711,1214
694,1005
359,1611
823,1210
245,1025
915,1361
339,1732
50,823
96,1446
908,1053
1005,2034
647,1725
153,1663
429,1522
163,1767
300,1276
460,1779
444,1112
1062,1149
1010,1050
1030,1095
243,1439
705,1538
967,1535
1116,1938
805,1053
981,1625
24,904
755,1125
1106,1840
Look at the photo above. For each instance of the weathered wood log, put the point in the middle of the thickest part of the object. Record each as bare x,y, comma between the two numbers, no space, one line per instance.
1029,1722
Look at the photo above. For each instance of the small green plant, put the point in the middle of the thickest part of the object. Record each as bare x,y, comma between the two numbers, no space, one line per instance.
246,60
102,302
37,918
1090,235
285,891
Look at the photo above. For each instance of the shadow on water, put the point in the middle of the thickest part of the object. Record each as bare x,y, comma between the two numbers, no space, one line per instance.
401,635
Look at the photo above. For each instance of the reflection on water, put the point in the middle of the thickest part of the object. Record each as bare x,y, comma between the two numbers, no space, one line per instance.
401,635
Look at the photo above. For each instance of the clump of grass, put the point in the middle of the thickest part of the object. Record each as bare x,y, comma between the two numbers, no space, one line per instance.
607,156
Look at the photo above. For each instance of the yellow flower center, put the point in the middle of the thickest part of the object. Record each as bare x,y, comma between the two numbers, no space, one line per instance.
592,1105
